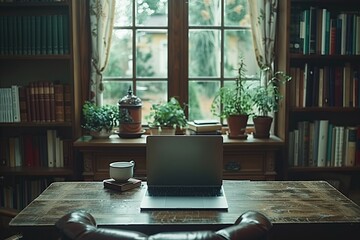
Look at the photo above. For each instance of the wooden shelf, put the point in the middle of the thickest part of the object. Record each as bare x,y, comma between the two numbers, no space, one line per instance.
35,171
35,57
36,124
323,169
326,109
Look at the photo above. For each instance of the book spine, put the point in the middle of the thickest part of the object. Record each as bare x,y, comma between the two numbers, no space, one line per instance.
15,103
43,34
29,104
66,34
49,35
47,101
61,33
37,101
52,102
23,104
350,150
41,101
59,103
55,33
51,147
323,135
67,103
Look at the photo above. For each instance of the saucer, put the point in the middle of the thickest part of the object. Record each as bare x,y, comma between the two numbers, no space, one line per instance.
130,135
244,136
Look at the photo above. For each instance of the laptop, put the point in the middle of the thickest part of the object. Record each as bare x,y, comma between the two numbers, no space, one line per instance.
184,172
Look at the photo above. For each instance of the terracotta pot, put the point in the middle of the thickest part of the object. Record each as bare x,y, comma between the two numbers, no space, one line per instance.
262,125
162,131
237,125
103,133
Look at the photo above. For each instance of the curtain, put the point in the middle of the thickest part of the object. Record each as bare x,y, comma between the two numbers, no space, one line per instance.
263,16
101,14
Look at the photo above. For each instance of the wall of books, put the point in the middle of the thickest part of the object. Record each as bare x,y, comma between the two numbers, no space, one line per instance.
34,35
315,85
316,30
321,143
40,101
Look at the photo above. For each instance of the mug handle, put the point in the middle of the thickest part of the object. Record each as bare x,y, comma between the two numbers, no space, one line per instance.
133,162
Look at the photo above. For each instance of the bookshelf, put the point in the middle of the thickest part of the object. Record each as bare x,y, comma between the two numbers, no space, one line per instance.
37,59
323,58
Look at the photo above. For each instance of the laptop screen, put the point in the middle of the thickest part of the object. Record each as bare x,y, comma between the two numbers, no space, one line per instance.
183,160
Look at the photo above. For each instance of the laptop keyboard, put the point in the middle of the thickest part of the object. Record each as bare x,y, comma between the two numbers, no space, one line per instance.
185,191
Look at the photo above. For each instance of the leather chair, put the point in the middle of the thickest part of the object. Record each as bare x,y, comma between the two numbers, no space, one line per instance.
82,226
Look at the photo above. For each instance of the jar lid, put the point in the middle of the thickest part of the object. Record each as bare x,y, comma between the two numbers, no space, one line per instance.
130,100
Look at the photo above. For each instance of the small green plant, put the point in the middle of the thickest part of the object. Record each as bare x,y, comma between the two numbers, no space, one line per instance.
169,114
234,99
99,117
266,97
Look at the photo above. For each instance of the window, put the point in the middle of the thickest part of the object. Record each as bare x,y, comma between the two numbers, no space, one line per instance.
182,48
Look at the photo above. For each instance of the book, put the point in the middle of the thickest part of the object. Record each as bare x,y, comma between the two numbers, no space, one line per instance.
192,132
15,103
52,102
51,134
322,142
23,104
47,101
350,146
67,103
41,97
122,186
204,127
28,151
59,103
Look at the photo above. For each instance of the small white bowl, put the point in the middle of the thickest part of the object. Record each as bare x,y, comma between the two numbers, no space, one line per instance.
122,171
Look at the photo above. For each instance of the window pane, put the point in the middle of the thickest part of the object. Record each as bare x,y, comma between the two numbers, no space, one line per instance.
201,95
236,13
238,43
115,90
152,12
120,59
123,13
204,53
151,92
204,12
151,53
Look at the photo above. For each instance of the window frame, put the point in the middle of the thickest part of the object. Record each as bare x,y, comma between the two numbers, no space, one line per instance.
178,69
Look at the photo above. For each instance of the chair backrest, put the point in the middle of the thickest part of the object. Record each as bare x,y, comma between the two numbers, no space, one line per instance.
82,225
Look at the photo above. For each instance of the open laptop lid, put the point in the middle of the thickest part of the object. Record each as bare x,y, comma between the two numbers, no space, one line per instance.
183,160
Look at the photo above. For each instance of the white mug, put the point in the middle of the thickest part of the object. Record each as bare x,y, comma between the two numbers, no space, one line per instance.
122,171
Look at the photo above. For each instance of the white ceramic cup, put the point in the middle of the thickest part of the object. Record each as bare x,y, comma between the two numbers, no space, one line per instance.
122,171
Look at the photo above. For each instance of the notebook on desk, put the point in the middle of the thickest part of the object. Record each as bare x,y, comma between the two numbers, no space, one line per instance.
184,172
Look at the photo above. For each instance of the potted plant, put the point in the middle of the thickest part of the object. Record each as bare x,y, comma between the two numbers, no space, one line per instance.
235,103
99,120
165,118
266,99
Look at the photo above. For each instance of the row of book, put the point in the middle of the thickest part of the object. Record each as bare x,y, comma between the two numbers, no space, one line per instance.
319,31
41,101
324,86
34,35
48,150
323,144
19,193
17,1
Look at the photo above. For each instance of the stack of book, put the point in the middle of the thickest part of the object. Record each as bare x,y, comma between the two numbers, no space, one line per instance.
204,127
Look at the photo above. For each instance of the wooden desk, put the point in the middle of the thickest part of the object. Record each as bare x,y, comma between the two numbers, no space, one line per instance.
298,210
251,159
